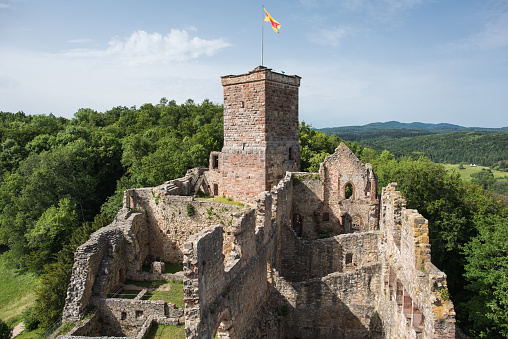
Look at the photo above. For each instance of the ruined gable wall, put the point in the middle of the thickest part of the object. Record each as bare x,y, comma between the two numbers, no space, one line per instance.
415,299
330,285
340,169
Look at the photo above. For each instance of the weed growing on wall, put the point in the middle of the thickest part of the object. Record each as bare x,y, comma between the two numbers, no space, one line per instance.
190,210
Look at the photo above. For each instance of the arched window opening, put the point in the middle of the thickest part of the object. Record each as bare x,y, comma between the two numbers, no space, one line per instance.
348,191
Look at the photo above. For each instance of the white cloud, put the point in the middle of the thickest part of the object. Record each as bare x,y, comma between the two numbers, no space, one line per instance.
329,37
141,68
142,47
78,41
493,35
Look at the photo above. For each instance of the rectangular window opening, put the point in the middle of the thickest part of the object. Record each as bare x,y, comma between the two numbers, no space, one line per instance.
349,258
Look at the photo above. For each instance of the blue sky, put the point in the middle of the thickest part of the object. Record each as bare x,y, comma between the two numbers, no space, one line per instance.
361,61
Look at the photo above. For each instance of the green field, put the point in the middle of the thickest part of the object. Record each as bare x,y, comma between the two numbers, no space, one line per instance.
465,173
17,292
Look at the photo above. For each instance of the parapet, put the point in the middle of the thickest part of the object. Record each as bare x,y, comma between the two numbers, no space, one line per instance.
261,73
415,301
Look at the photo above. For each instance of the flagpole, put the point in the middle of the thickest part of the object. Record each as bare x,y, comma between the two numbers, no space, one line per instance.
262,35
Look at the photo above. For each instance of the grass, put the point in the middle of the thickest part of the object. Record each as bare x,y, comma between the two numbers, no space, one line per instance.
66,328
31,335
465,173
17,293
167,332
222,200
174,295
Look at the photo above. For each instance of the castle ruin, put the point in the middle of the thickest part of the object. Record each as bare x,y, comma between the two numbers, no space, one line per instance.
308,255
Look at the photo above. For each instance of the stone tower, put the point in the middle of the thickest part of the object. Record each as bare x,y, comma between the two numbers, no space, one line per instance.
260,132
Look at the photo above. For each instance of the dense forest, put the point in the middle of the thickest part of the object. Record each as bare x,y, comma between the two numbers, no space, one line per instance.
61,179
442,143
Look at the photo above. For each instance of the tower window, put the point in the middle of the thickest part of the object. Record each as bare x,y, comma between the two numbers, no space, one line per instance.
291,156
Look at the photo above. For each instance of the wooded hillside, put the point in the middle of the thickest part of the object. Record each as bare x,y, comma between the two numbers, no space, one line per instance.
442,143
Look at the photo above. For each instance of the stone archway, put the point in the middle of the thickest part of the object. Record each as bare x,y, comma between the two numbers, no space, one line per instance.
224,327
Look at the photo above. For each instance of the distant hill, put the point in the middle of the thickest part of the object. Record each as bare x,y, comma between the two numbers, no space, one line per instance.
444,143
397,129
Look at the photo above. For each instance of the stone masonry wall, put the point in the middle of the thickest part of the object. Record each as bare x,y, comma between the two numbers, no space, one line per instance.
170,223
337,171
100,263
414,302
225,294
303,259
328,286
124,317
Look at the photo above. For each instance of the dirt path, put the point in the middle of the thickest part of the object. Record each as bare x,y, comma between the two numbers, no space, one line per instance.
18,329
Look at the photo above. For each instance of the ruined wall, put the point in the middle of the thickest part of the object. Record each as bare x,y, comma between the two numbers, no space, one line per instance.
100,264
358,212
415,300
331,285
323,288
170,222
222,293
308,206
339,305
321,206
125,317
303,259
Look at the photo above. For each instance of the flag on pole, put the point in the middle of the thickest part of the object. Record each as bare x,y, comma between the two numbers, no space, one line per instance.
275,23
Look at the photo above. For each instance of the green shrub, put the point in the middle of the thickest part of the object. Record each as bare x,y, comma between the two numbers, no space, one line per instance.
5,330
190,210
30,318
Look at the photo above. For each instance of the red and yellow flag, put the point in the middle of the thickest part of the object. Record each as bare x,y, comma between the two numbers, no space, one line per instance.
275,23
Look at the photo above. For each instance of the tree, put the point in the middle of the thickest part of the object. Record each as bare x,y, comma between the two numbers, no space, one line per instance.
487,273
50,233
5,330
485,178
